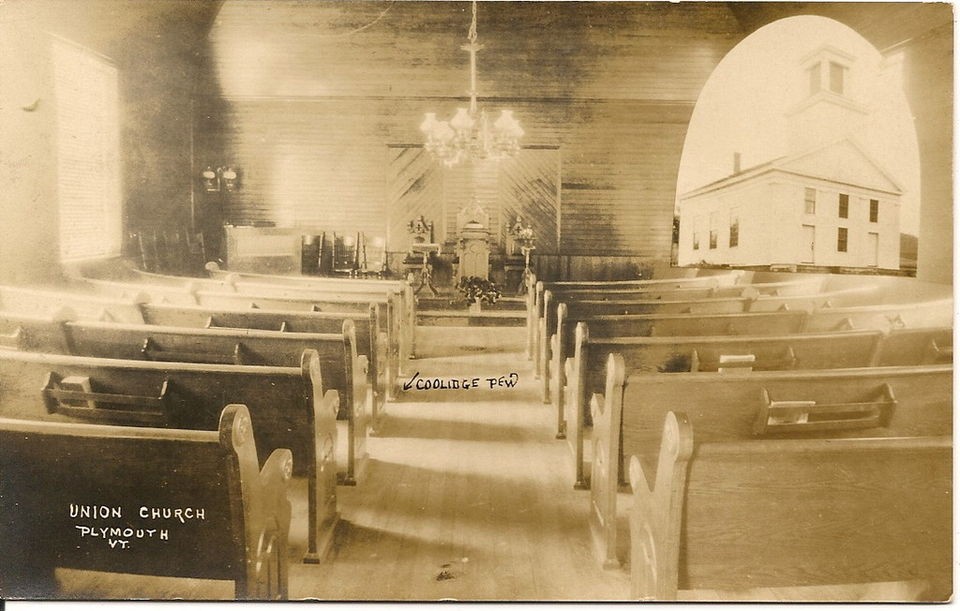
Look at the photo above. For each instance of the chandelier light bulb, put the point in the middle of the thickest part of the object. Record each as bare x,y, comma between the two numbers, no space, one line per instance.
462,121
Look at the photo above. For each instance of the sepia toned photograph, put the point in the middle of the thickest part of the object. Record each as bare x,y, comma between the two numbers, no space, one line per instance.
476,300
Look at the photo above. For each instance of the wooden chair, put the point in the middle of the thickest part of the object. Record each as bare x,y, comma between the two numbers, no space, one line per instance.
741,514
53,473
288,406
862,402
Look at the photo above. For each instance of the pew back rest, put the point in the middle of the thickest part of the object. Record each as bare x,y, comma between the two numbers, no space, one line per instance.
724,278
913,346
679,325
227,346
722,305
770,513
235,517
43,302
284,402
680,354
34,333
309,282
157,293
907,401
271,302
805,286
854,296
937,313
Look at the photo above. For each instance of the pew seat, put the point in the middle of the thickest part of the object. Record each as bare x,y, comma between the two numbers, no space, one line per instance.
344,370
288,407
747,513
841,403
658,355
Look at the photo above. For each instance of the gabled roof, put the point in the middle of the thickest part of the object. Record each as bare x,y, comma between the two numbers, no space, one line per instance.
844,162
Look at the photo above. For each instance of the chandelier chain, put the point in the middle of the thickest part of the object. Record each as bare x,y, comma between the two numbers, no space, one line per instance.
470,134
472,34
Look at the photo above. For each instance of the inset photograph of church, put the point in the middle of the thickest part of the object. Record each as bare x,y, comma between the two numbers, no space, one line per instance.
805,161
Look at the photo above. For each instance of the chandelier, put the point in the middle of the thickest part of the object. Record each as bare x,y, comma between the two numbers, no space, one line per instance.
470,134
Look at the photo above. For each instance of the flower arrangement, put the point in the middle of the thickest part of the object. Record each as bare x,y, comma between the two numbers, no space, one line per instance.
522,235
478,290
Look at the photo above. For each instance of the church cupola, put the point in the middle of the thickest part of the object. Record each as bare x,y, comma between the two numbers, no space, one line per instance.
831,105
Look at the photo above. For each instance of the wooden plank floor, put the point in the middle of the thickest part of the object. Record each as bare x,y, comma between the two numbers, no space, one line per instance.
468,496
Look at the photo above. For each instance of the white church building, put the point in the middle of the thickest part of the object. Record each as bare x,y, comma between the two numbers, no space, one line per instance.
832,206
827,202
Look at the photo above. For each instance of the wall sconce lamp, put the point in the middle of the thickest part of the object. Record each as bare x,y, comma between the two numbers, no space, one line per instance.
209,180
224,178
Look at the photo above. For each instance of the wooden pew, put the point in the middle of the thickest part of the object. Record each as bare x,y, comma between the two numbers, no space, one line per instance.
536,289
938,313
653,355
401,288
45,302
740,514
935,313
191,292
560,346
398,292
382,366
52,470
344,370
398,306
864,402
722,305
288,406
801,286
235,301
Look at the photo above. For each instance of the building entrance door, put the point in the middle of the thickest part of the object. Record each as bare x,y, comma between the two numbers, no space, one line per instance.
808,241
873,248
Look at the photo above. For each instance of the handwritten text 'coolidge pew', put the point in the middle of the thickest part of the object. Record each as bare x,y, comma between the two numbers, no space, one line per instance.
417,383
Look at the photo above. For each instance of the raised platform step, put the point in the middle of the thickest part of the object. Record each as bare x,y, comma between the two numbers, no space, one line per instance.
463,318
453,303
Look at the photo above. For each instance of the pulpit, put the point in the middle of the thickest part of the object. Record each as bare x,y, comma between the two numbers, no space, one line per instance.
473,242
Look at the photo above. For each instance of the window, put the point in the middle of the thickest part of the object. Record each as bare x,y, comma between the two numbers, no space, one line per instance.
810,200
88,166
874,210
836,77
844,209
696,234
842,239
734,227
814,72
714,230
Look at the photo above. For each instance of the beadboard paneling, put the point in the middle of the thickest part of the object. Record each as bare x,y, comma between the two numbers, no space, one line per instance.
327,163
414,190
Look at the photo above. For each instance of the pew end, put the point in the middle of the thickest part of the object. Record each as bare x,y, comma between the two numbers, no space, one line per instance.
237,513
739,515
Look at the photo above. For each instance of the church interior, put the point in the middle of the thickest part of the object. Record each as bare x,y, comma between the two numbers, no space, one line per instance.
381,301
